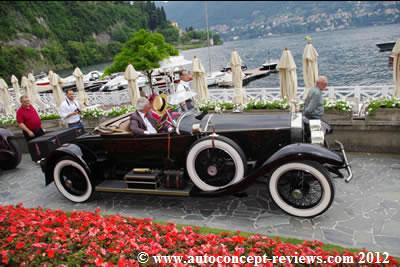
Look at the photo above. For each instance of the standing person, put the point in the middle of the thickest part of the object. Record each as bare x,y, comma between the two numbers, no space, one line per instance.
314,105
314,102
28,119
70,111
184,86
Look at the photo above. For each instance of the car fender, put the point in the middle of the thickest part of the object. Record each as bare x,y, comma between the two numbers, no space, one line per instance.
5,133
300,151
71,150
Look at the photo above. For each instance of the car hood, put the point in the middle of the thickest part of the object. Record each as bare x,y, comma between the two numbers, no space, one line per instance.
245,121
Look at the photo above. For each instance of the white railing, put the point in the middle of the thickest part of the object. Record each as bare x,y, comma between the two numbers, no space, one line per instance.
357,94
362,93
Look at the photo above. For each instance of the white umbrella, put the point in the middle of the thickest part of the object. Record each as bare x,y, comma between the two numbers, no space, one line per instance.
24,86
310,67
131,75
82,96
199,80
396,68
33,93
287,75
17,89
5,97
57,91
237,76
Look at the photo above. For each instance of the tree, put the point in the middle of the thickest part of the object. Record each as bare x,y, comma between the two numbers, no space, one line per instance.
144,50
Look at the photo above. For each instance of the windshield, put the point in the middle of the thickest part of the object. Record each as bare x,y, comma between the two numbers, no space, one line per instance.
186,120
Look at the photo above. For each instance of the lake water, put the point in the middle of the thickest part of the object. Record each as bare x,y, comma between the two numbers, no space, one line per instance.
347,57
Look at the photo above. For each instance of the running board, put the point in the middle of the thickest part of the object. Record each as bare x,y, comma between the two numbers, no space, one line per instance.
122,187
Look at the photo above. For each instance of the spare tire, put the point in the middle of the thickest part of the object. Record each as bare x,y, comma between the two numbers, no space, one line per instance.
215,162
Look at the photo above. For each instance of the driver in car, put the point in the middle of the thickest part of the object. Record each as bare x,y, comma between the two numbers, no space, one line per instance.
141,122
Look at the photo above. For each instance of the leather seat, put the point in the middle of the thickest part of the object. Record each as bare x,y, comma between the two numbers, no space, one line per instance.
124,125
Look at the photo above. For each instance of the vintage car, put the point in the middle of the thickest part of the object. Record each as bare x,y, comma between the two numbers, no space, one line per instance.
207,155
10,153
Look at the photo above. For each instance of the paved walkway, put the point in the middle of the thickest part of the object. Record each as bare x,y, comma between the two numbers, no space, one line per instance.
366,212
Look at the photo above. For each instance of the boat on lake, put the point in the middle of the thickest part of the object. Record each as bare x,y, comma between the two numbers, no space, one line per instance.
383,47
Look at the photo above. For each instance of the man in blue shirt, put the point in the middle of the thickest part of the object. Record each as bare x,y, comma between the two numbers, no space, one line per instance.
314,102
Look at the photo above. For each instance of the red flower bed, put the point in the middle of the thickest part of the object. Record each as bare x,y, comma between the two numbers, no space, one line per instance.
39,237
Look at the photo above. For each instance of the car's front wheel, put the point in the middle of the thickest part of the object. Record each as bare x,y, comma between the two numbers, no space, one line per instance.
302,188
72,180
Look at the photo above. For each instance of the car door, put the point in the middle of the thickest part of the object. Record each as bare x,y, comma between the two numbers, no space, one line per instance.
147,151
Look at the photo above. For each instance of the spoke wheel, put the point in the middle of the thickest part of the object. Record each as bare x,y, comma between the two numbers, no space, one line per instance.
302,189
213,164
72,180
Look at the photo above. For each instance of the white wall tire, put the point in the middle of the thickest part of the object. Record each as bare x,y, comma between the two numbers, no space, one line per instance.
319,173
60,183
220,143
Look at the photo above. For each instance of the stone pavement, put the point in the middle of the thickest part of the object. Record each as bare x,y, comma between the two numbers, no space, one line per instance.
365,213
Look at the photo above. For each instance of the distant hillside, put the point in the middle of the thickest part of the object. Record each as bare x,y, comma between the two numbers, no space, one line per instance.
252,19
38,35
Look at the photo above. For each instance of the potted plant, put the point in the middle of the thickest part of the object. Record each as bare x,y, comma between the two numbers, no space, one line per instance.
8,122
51,120
335,110
384,109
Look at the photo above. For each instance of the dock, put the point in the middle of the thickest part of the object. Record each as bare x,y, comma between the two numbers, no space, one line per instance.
255,74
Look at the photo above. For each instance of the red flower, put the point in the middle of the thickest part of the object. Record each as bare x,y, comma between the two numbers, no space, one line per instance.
50,253
19,245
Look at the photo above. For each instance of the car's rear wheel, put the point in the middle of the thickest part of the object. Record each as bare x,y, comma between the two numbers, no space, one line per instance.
13,162
72,180
302,189
215,163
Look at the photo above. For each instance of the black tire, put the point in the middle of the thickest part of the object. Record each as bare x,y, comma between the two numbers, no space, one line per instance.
214,163
72,180
294,186
16,160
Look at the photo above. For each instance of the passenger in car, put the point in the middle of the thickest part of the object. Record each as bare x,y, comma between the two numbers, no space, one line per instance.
141,121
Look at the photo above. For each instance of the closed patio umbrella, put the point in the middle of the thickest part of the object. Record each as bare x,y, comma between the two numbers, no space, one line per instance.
131,75
310,67
396,68
199,80
80,86
57,91
237,78
33,93
17,89
287,75
5,97
24,86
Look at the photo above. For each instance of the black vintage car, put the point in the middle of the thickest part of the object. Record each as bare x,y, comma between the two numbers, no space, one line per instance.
207,155
10,153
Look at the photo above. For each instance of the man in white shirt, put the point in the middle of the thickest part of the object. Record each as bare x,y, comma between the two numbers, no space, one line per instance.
184,86
141,121
70,111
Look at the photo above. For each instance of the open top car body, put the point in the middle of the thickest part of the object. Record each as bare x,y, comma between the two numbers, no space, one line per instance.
207,154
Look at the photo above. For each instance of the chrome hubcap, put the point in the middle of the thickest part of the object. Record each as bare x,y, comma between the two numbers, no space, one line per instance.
68,183
297,194
212,170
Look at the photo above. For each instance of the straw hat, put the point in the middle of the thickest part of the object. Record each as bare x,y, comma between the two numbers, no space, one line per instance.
160,104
